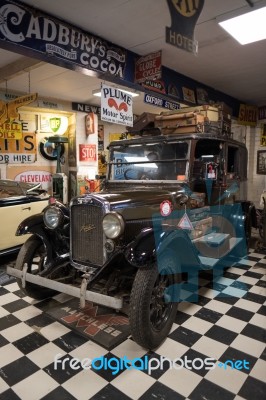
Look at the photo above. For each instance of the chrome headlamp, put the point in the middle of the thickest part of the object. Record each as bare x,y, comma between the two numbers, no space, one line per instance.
53,217
113,225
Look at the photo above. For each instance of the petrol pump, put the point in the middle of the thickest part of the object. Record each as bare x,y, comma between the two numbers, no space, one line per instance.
59,179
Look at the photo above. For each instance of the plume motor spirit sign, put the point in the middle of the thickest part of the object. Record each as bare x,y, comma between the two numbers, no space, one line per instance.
33,32
116,106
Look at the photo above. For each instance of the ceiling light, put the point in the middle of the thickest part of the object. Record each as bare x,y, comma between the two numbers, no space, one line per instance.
247,28
97,92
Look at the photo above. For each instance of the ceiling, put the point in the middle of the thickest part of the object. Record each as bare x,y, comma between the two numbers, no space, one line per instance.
139,25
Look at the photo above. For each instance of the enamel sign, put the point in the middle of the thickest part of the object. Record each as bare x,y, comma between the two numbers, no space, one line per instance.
116,106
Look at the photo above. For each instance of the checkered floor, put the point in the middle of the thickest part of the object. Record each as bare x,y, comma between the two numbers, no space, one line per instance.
227,323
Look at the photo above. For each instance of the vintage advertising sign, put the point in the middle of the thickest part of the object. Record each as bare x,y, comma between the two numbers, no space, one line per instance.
184,16
263,135
52,124
63,43
116,106
160,102
188,95
262,112
86,108
9,111
155,86
148,67
41,175
87,152
248,115
11,130
23,150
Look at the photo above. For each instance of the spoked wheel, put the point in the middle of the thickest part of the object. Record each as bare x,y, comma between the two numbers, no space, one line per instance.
153,305
33,254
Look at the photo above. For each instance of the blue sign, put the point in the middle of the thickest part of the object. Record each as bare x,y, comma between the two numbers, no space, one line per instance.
58,42
160,102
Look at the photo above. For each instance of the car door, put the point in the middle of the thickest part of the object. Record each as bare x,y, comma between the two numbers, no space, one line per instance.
13,211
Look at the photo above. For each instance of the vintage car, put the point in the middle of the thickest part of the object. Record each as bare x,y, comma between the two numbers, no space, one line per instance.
171,205
18,200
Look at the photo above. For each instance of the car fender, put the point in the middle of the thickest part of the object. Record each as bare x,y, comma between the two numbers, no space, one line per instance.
249,212
35,225
150,244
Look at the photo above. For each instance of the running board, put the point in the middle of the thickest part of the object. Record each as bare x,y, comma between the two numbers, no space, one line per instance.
81,293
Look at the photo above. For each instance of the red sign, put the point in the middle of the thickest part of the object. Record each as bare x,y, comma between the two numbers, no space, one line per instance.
87,152
148,67
155,85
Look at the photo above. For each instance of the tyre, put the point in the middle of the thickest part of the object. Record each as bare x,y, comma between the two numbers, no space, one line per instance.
151,318
34,255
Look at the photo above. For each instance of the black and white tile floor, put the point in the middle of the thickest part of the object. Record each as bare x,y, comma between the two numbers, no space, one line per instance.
227,323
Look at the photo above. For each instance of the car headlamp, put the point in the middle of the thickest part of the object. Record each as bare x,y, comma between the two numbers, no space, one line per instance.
53,217
113,225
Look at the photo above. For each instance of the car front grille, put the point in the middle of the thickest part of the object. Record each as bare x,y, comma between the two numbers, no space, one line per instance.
87,234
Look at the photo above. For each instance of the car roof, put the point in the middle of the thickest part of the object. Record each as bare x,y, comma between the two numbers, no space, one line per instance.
145,138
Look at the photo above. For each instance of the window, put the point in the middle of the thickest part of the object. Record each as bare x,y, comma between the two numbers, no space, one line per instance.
156,161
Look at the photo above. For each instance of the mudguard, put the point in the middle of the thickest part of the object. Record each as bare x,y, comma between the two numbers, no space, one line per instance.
30,224
34,225
150,244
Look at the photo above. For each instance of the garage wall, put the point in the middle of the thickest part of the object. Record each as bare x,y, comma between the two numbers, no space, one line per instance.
251,137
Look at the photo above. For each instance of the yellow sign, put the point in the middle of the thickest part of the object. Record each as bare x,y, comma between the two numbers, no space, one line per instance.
18,151
114,136
263,135
9,111
248,115
11,130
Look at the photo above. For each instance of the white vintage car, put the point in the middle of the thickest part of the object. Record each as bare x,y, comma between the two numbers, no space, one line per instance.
18,200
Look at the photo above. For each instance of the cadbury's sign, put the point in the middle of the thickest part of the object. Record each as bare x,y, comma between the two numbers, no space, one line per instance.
38,32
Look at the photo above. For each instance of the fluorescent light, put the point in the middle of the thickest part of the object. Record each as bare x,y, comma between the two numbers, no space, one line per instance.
97,92
247,28
138,159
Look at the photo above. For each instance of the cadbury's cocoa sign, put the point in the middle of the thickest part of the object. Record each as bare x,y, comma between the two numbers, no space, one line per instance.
38,32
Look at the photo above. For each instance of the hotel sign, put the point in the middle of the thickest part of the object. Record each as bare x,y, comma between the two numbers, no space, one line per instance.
184,16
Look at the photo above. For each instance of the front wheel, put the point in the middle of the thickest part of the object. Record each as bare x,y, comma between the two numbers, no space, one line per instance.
33,254
151,314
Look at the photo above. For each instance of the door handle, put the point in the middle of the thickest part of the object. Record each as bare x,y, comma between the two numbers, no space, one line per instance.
26,208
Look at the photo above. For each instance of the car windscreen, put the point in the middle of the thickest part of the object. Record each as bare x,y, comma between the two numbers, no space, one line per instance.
156,161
